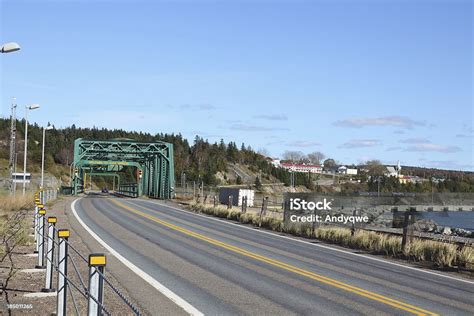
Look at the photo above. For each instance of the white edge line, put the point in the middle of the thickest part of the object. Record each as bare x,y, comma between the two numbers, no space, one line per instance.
142,274
312,244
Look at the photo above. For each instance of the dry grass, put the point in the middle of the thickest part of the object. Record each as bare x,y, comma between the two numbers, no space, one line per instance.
443,255
466,257
16,203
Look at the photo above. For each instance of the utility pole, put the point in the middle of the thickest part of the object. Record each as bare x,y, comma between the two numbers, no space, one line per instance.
12,161
14,171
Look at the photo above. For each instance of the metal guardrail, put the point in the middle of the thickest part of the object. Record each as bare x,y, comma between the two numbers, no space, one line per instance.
130,190
55,238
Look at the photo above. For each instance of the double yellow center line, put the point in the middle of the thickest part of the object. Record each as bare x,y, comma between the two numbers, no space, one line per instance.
317,277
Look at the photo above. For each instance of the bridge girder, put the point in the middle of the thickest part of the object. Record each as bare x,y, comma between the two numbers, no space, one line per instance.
154,160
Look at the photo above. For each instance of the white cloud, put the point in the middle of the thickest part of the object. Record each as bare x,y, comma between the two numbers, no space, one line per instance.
358,143
397,121
427,147
272,117
302,143
255,128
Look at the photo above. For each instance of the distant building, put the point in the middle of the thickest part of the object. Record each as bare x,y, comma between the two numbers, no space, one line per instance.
346,170
276,163
301,167
393,171
409,179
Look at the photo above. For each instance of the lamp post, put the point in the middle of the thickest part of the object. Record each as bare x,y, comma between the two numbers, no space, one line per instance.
27,109
9,48
47,128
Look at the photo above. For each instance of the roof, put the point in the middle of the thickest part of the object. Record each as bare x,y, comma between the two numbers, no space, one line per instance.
287,164
391,169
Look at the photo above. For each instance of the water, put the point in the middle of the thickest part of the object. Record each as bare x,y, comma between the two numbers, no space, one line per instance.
463,220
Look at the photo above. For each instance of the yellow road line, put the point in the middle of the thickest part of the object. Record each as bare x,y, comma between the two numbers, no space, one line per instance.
320,278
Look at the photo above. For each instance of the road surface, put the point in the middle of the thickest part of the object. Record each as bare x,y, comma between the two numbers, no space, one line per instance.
221,268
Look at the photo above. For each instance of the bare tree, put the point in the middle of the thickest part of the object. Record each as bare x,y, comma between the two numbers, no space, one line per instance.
375,168
294,156
64,156
316,157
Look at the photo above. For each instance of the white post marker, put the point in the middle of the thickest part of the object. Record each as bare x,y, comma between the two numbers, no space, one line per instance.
41,220
48,284
38,207
97,263
63,235
35,223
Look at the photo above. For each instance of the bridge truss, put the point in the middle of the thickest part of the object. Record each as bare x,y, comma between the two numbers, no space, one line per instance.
153,163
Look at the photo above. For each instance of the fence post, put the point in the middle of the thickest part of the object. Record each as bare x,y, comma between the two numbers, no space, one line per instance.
263,211
41,223
48,284
244,204
229,203
63,235
96,284
405,230
264,205
354,213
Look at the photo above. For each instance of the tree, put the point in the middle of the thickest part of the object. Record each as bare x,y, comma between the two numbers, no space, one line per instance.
258,184
238,180
316,157
329,163
294,156
375,168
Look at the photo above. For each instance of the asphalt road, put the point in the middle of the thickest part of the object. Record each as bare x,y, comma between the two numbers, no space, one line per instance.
223,268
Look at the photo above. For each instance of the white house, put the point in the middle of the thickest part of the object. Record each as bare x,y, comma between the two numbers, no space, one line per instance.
302,167
346,170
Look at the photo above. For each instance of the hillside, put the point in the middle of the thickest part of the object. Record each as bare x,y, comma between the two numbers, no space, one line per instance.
214,164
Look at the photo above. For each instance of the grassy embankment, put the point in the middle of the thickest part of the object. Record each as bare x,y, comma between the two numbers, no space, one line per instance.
440,254
14,228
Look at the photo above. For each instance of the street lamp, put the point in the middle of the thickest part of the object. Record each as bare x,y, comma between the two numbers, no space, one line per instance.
27,109
47,128
10,48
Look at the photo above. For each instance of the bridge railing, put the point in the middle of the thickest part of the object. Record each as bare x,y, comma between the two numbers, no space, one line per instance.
128,189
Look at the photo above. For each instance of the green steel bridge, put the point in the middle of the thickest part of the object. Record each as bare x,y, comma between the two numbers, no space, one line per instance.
152,164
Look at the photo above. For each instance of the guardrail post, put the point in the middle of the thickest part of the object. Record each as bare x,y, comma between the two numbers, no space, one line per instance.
35,224
41,223
48,284
63,235
96,284
38,207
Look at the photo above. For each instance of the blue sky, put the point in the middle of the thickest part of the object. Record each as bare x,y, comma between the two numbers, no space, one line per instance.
356,80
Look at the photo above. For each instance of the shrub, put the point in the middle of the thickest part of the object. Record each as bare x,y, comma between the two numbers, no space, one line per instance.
465,257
